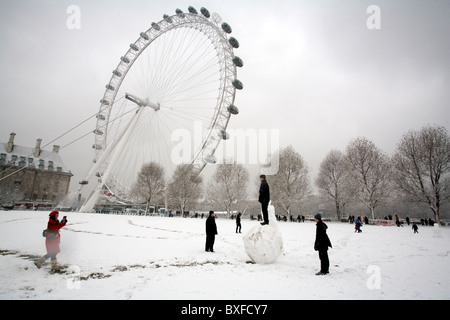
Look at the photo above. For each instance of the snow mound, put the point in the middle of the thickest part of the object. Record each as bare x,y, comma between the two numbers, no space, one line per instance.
264,244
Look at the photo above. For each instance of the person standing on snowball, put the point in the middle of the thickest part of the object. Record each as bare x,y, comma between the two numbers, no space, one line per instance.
211,231
321,244
264,198
52,240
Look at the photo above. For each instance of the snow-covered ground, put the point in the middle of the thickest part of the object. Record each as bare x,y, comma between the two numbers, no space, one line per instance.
133,257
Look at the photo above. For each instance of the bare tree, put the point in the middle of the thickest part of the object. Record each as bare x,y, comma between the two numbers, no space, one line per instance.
422,163
185,187
9,197
291,183
370,172
333,180
149,184
228,185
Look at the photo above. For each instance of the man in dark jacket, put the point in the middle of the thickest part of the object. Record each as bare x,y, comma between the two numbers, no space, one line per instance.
264,198
211,231
321,244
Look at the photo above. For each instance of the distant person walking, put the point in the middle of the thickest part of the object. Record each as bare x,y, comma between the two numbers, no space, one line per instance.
264,198
397,221
415,227
53,238
321,244
211,231
238,222
358,225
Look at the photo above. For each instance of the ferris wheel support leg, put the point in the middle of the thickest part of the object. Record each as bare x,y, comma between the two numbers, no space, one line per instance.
116,150
105,155
88,206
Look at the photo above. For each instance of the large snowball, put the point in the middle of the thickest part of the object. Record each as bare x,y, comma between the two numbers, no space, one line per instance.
264,244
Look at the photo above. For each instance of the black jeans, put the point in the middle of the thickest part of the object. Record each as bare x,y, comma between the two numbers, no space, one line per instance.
210,242
324,262
264,206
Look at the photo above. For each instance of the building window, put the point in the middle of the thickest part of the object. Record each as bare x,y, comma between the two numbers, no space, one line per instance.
22,161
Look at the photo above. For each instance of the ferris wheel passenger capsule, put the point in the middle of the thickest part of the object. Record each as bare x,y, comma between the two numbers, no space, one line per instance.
233,109
195,178
205,12
192,10
210,158
144,35
233,42
223,134
237,84
97,147
155,26
167,18
180,13
226,27
98,132
238,62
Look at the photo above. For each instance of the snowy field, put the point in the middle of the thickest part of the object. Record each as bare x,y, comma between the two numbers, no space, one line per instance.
132,257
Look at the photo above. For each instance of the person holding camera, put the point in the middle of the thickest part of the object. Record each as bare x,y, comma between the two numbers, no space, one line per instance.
53,238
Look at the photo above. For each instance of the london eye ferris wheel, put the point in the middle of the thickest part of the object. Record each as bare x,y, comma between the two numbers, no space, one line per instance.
179,74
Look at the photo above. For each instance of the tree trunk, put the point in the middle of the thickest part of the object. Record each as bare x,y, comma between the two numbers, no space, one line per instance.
338,211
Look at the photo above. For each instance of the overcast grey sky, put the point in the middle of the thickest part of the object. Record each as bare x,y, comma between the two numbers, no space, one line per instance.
312,69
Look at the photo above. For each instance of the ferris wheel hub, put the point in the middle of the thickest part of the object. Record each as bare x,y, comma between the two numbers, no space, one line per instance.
143,102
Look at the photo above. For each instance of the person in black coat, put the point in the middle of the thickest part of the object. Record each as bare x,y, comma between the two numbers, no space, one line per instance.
321,244
211,231
238,222
264,198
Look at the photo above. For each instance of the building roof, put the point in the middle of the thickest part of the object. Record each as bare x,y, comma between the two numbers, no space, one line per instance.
20,153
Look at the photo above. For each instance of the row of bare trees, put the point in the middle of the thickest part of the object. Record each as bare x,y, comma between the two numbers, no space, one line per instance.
227,187
184,188
419,171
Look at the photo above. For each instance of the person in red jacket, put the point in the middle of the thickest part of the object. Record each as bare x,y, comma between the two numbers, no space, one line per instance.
52,242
